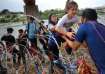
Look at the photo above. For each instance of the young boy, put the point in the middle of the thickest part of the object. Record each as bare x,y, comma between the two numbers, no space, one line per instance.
22,38
62,26
22,41
70,18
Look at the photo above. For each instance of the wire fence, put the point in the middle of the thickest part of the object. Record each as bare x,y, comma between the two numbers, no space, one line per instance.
40,63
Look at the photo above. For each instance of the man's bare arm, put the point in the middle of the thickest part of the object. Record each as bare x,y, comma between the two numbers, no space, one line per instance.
73,44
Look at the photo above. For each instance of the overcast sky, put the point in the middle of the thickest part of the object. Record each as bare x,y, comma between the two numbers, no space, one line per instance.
17,5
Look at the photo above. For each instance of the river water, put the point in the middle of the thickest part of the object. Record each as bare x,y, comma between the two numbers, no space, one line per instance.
16,26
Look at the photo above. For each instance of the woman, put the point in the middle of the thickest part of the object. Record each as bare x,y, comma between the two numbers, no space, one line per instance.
52,46
54,42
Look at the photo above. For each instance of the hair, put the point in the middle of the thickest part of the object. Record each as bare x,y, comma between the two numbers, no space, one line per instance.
70,4
31,18
20,30
50,21
89,14
10,30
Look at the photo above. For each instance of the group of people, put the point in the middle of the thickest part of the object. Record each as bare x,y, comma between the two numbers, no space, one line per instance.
90,31
60,31
11,42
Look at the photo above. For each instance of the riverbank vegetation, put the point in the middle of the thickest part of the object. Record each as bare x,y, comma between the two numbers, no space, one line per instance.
8,16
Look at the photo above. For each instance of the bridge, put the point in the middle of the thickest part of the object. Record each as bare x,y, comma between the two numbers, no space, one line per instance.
31,8
101,9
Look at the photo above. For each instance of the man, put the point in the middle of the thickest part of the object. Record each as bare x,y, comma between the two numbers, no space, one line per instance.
10,42
22,41
31,30
94,34
9,38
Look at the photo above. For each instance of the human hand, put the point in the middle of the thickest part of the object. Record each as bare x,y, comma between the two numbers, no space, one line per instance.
64,37
70,35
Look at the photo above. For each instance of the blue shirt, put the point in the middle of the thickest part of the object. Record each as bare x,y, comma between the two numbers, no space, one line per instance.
95,43
31,30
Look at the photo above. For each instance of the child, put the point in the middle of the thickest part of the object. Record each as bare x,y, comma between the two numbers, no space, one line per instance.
22,38
64,24
22,41
68,19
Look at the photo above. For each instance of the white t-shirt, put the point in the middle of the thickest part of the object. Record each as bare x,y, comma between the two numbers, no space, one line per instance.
65,21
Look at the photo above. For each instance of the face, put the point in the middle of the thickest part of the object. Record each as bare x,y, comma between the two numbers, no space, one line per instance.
72,11
54,18
20,32
29,19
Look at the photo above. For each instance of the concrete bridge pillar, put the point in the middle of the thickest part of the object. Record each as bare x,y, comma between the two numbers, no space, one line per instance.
31,8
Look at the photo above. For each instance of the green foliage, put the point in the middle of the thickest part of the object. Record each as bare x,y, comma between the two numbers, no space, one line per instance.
46,13
3,20
14,16
11,18
7,16
5,11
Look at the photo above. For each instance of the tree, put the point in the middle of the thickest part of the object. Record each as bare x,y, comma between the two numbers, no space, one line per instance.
5,11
